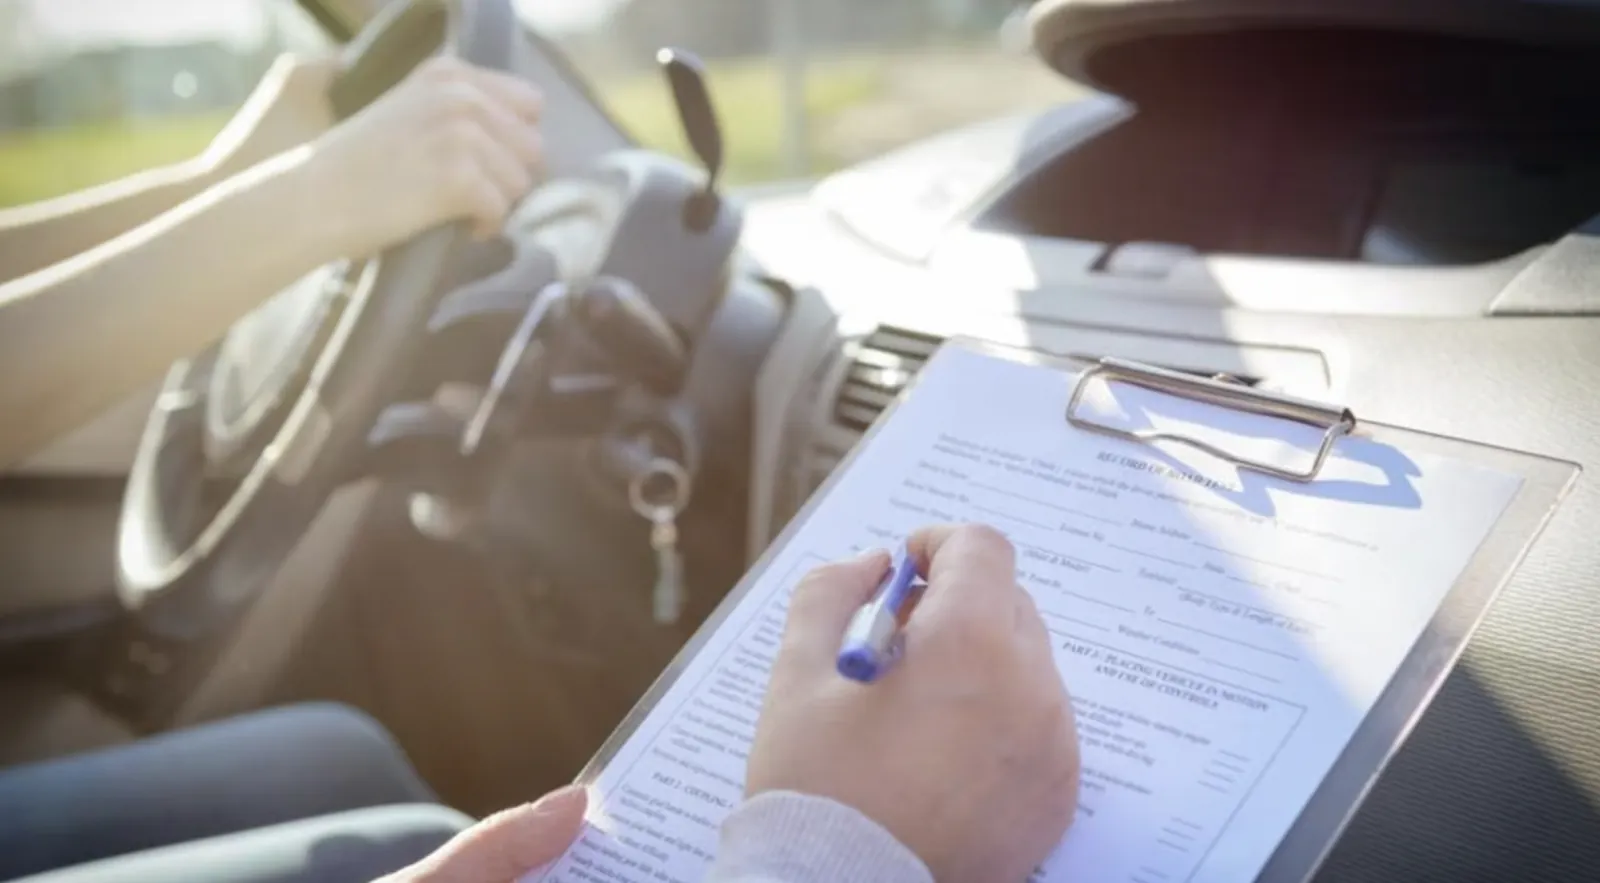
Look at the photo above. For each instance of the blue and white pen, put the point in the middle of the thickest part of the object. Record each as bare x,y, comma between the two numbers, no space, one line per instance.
873,642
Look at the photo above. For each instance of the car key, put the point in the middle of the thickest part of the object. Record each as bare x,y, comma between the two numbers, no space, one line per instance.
667,597
661,506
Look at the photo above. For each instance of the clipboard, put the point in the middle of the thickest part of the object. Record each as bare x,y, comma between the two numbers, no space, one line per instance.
1544,483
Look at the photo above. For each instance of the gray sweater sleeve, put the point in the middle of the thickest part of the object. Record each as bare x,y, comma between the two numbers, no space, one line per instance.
785,837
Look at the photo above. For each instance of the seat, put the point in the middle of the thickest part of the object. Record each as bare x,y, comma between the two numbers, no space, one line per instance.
44,720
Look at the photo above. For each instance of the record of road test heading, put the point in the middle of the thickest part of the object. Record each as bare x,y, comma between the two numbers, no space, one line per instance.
1252,599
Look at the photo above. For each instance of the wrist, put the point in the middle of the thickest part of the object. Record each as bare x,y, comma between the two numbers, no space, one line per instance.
322,205
301,205
785,835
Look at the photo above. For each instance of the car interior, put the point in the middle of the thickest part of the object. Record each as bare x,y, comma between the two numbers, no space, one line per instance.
414,483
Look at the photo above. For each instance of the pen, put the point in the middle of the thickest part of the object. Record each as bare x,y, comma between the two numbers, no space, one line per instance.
872,642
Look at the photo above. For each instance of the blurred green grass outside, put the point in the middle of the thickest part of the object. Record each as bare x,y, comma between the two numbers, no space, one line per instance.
43,163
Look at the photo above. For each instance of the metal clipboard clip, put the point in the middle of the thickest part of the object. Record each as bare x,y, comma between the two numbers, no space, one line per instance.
1335,422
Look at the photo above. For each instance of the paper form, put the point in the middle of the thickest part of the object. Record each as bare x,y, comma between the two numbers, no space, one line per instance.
1222,634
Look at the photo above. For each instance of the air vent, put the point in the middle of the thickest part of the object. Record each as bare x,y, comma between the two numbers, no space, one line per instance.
881,364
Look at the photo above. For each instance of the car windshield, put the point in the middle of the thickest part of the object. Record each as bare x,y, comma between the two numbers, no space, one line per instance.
92,90
805,87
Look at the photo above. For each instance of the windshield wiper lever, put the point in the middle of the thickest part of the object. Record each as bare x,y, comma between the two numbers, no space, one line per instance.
686,77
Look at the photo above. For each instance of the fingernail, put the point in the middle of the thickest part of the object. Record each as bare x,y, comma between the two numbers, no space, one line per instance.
562,799
876,559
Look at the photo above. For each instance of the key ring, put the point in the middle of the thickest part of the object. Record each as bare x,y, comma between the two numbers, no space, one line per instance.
678,482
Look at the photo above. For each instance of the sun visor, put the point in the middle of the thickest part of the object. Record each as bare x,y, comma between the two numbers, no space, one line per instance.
1167,52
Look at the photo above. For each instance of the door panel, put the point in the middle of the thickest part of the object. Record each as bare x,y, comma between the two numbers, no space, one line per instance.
104,447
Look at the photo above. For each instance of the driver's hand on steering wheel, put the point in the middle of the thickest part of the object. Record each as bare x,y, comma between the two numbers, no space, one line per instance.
450,142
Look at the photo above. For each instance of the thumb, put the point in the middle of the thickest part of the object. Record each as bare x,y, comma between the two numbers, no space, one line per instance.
824,601
510,843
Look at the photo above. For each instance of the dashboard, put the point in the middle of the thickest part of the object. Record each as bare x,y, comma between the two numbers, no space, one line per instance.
890,259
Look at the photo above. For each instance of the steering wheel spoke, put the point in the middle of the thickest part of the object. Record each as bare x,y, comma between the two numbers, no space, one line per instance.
473,320
497,297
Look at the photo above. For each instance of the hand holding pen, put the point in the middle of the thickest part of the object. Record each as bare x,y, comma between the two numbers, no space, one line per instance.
965,744
874,640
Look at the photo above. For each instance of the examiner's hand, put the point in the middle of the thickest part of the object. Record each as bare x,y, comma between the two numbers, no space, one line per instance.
504,846
966,752
450,142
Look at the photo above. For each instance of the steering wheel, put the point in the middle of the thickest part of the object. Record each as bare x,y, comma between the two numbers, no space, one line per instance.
247,440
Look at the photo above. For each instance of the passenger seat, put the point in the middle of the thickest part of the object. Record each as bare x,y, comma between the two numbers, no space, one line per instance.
44,720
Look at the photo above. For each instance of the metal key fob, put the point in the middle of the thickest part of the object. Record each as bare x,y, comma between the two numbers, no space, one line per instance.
659,494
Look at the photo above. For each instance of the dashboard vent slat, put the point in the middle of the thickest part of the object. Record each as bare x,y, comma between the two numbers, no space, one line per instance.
867,396
908,344
881,364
